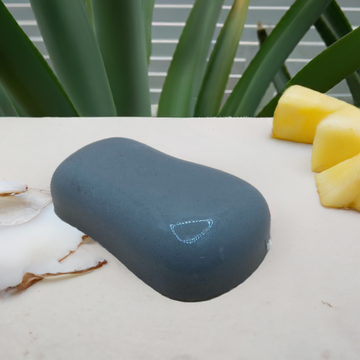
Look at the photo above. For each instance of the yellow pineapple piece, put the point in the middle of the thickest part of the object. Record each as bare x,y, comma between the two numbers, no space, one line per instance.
339,186
337,139
299,111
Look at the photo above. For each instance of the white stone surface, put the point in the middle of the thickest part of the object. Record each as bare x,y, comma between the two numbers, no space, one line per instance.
302,303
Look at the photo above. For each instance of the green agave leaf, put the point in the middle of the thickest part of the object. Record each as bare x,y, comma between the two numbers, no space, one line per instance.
75,55
26,76
324,31
269,109
250,89
148,8
332,26
221,61
119,28
6,106
327,69
89,9
282,77
336,21
353,82
332,65
183,81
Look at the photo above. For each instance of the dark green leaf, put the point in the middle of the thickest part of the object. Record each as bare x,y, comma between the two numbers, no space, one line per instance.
148,8
324,31
269,108
332,65
89,9
328,68
186,70
336,21
353,81
6,106
119,28
332,26
221,61
282,76
75,55
250,89
26,76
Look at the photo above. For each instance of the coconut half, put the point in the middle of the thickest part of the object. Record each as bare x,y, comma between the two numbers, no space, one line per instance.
33,250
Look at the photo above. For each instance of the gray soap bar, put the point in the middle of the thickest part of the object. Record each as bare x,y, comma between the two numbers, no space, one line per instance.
189,231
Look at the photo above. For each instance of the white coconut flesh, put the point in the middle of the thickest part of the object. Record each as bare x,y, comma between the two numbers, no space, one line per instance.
37,247
22,207
12,187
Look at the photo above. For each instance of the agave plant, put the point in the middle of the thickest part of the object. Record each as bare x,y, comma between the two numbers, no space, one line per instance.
100,52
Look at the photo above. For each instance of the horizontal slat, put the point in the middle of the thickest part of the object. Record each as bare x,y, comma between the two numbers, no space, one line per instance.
189,6
248,43
228,7
175,41
169,58
27,23
169,24
17,5
218,25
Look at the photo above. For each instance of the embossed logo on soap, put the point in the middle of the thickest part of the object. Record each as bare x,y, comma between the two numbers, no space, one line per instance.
189,232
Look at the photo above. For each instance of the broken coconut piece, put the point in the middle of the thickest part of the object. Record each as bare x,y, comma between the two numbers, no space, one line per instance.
32,251
20,208
30,279
8,188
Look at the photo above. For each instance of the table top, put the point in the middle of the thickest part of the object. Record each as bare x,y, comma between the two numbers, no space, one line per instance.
301,303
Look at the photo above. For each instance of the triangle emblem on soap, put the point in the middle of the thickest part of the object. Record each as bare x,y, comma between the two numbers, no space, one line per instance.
189,232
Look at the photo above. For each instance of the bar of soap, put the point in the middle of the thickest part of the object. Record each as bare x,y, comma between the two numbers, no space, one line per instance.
189,231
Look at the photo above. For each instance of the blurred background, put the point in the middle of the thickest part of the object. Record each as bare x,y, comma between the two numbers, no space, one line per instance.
168,22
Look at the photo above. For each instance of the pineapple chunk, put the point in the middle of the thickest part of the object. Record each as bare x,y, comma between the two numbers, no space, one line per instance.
337,139
339,186
299,111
